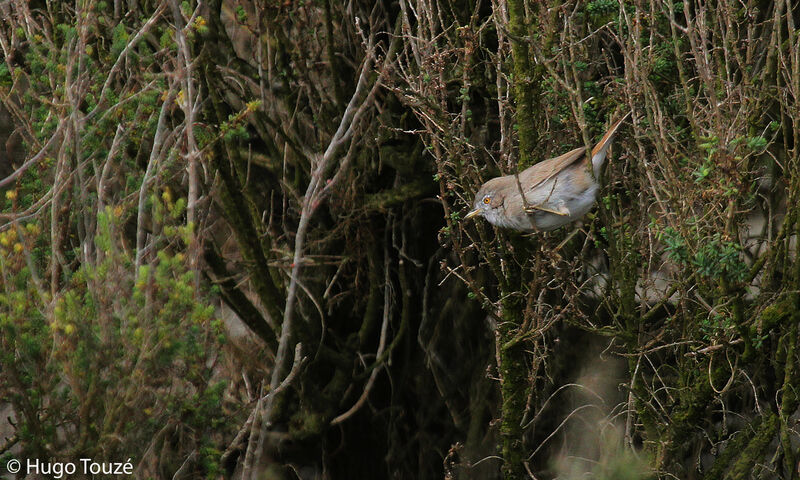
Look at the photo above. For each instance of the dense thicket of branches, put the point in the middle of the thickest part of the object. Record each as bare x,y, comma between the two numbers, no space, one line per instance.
174,170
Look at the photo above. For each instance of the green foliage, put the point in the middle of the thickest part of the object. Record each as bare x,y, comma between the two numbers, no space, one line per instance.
702,172
98,358
234,129
186,8
107,331
241,14
5,75
756,143
709,144
716,327
601,7
712,257
119,40
167,40
717,258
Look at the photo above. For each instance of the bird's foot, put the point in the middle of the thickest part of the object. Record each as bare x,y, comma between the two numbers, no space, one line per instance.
561,209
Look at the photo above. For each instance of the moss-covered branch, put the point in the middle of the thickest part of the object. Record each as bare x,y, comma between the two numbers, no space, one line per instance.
527,82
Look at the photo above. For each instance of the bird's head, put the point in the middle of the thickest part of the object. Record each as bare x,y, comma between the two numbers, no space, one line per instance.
489,202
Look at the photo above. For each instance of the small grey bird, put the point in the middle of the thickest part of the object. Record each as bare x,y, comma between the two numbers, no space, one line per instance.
557,191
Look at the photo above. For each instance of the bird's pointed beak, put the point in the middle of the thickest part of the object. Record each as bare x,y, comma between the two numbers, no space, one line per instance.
472,213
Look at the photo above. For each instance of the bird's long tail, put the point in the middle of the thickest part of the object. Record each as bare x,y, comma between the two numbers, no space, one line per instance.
601,149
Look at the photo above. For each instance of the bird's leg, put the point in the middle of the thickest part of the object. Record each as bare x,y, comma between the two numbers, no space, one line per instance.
561,207
562,210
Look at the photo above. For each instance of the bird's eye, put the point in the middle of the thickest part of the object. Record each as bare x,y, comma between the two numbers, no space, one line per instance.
487,199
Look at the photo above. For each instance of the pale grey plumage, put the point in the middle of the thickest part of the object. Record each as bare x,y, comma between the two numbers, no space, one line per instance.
557,191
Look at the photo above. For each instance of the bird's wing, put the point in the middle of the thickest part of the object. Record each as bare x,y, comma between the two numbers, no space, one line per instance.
542,171
537,174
